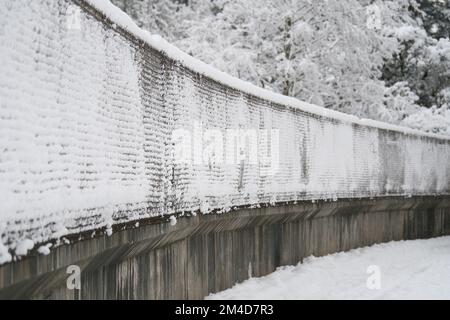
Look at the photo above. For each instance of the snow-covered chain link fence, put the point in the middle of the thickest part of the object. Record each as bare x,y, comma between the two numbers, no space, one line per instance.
90,106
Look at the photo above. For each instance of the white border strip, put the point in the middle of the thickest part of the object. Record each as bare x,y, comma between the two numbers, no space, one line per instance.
120,18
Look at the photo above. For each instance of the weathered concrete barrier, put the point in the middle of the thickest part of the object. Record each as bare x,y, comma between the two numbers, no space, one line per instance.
208,253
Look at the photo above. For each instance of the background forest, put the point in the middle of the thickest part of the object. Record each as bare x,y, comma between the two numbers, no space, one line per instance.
384,60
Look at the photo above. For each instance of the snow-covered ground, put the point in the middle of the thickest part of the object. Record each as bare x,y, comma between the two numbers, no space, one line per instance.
417,269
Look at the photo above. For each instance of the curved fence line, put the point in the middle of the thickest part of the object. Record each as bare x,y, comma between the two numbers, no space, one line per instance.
101,123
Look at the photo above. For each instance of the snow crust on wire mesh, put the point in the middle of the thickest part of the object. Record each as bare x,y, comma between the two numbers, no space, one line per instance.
88,118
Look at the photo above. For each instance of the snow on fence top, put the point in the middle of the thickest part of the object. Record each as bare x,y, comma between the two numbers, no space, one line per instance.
102,123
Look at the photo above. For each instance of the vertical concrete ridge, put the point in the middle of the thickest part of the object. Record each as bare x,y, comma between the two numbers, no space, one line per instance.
209,253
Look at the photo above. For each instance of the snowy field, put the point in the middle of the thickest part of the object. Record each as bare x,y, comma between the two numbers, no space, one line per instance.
417,269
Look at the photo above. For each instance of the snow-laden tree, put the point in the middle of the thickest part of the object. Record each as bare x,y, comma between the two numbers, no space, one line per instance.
320,51
419,60
372,58
156,16
225,37
433,80
436,17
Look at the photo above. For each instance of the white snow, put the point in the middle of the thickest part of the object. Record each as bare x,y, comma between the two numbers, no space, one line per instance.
173,220
109,230
24,246
5,256
431,119
417,269
44,250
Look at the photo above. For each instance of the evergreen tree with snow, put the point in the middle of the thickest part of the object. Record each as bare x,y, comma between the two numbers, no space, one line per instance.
156,16
436,17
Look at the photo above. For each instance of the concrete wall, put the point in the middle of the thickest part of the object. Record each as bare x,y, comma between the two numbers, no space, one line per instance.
209,253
